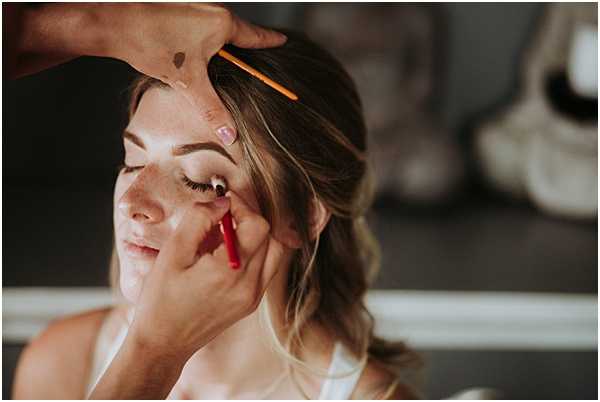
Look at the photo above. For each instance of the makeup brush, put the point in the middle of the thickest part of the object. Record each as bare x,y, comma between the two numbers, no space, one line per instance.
276,86
226,224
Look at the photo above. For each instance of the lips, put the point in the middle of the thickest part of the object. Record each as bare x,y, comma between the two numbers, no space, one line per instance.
144,249
139,249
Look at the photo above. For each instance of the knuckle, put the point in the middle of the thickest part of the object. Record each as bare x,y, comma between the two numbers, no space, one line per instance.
220,253
256,300
224,17
261,35
204,222
232,277
227,14
199,207
249,299
262,226
203,208
209,114
206,260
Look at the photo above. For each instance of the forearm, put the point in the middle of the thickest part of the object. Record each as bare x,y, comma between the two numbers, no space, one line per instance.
64,28
55,33
137,372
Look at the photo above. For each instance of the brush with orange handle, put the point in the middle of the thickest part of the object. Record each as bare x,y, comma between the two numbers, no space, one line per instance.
278,87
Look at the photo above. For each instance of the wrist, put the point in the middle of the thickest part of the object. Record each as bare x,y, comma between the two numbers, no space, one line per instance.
138,372
111,23
155,351
158,366
166,355
75,29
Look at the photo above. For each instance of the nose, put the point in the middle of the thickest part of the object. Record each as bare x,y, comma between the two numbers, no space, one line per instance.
136,204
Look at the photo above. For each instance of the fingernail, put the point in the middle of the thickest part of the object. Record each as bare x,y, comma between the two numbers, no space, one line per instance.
222,202
226,134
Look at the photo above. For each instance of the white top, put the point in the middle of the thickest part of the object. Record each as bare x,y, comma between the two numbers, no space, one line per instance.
342,362
333,388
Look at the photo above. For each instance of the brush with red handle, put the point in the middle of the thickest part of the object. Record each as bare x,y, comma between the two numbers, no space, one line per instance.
227,224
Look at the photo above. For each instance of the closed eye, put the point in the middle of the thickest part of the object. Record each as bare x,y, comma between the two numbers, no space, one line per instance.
128,169
197,186
202,187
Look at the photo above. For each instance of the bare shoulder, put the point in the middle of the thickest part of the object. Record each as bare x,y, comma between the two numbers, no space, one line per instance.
378,383
56,363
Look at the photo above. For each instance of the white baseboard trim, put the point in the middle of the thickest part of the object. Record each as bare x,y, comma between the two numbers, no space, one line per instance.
424,319
487,320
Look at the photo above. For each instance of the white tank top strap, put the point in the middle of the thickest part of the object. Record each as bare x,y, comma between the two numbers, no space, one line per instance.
105,350
342,362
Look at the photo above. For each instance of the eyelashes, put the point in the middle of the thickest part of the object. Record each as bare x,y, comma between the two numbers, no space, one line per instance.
196,186
128,169
201,187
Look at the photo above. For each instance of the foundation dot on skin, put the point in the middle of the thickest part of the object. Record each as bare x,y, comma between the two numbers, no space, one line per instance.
178,59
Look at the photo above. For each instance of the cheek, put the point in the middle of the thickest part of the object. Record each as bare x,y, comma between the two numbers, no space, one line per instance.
130,280
131,277
121,186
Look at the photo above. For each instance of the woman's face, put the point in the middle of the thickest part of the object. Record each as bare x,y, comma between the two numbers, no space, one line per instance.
170,157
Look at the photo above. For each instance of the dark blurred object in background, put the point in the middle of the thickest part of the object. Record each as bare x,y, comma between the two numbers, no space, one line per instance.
544,146
393,54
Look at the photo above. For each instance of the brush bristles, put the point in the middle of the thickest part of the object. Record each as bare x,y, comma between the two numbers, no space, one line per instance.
219,185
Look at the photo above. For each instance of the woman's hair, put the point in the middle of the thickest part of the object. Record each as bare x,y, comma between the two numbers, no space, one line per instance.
296,152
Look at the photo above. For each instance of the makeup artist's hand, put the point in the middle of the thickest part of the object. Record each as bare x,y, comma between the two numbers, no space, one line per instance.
174,43
168,41
186,301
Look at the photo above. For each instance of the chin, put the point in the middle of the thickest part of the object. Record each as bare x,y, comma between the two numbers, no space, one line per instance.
131,285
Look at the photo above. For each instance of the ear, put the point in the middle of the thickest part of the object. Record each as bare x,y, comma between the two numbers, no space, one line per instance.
319,218
288,233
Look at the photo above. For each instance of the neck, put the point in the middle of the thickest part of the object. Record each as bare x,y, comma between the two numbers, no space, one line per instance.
240,359
241,364
237,361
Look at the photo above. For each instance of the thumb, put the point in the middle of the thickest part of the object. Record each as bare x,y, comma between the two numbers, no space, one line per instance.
196,223
203,97
247,35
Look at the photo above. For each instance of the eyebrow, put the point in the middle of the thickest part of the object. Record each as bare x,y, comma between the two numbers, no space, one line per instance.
184,149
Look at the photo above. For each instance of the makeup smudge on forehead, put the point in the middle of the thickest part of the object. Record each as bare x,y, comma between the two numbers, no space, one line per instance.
178,59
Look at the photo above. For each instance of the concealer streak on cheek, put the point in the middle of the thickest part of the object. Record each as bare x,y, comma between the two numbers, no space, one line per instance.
131,285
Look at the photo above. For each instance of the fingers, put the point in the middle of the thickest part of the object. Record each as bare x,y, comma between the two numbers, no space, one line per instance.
201,94
180,250
251,36
260,254
272,262
252,229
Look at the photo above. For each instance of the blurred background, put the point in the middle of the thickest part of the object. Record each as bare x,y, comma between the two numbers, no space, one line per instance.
483,124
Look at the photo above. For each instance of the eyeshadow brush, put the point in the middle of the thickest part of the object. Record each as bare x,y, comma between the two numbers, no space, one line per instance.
276,86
